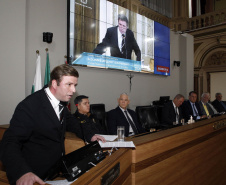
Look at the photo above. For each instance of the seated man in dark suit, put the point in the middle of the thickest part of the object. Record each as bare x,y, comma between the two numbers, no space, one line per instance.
218,104
121,41
121,116
84,119
172,113
192,108
205,107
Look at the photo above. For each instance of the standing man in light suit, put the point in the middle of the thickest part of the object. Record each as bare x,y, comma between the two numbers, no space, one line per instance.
121,41
122,116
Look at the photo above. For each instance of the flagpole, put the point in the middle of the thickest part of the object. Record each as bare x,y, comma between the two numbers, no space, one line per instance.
47,69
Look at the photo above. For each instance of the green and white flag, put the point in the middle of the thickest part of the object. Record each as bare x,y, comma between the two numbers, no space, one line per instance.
47,70
37,85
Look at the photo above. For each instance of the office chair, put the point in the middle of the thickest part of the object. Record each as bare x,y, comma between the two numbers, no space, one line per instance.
99,111
147,116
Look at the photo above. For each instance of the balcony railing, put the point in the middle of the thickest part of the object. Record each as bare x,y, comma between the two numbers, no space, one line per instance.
200,22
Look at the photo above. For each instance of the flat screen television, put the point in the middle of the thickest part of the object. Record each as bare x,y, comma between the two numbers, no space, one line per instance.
95,38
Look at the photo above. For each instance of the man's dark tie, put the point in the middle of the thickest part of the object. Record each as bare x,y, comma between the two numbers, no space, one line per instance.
123,46
61,108
196,113
131,123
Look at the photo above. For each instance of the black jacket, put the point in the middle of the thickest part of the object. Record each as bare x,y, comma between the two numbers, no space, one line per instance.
111,40
88,124
187,110
34,142
218,106
116,118
169,115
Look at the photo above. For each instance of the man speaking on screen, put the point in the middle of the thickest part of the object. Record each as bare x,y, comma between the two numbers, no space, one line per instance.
121,41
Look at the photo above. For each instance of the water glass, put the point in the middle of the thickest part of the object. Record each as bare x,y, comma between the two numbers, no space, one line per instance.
121,133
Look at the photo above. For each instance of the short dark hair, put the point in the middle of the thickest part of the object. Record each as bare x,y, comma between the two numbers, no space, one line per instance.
62,70
79,99
217,94
122,17
192,92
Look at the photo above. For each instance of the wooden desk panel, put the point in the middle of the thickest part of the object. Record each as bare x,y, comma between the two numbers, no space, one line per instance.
186,156
201,164
156,143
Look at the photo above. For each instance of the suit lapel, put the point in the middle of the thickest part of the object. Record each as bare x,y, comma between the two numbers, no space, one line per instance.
121,114
115,35
48,109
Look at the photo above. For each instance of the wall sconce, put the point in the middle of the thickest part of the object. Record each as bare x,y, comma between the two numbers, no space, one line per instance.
47,37
176,63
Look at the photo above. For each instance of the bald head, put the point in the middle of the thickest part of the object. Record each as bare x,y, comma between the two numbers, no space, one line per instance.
123,101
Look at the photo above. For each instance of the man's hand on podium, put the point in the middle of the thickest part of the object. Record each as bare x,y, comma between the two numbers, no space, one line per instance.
29,179
98,138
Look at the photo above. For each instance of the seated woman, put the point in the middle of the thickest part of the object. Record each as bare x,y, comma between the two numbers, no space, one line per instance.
85,120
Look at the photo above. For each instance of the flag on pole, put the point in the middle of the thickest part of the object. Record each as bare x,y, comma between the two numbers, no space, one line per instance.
47,70
37,85
65,59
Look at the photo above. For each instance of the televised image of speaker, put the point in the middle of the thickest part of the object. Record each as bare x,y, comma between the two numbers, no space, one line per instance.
79,161
47,37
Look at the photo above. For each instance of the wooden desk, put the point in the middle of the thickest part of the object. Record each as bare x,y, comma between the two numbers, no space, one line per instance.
191,154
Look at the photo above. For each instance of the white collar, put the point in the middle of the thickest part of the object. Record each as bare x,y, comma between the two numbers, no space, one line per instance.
55,102
123,110
174,105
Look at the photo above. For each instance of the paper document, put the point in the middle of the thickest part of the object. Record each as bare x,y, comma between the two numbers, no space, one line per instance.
117,144
109,137
60,182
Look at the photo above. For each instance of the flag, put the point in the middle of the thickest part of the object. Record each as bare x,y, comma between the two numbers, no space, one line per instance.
37,85
65,59
47,70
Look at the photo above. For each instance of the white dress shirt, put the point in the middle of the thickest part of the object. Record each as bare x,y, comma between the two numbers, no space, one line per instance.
54,102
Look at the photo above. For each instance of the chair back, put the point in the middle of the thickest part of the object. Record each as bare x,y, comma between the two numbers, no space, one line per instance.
99,111
147,116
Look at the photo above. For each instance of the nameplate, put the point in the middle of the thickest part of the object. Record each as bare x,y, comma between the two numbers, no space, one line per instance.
111,175
219,125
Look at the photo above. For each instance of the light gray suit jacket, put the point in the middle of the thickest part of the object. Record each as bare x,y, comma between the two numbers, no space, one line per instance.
210,110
